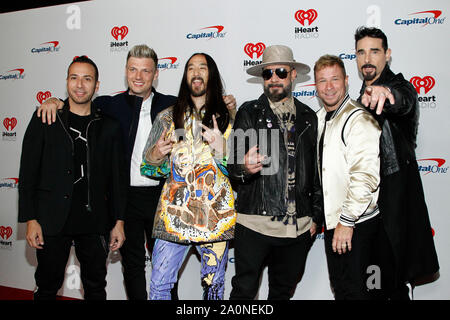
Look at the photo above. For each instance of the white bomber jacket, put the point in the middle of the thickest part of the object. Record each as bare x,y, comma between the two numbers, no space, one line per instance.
350,174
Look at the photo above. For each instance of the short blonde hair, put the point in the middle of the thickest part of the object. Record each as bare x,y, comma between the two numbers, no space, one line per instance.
329,60
143,51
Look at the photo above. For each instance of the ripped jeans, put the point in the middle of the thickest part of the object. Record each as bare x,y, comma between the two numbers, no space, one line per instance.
168,257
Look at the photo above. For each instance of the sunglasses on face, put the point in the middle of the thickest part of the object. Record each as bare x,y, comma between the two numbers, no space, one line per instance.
282,73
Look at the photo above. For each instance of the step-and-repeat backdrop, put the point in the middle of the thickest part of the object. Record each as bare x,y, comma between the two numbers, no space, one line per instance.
38,45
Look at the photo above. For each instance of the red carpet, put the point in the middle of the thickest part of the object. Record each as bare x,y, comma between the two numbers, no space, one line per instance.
7,293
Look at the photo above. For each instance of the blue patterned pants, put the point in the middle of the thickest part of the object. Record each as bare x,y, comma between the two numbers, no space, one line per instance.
168,257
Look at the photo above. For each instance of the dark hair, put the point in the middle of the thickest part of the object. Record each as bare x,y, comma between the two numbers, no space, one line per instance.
214,101
84,59
363,32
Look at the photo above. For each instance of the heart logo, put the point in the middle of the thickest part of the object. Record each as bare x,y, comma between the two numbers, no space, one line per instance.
250,49
309,15
9,123
121,32
427,83
5,232
42,96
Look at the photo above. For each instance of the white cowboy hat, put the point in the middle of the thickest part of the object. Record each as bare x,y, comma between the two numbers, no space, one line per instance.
278,54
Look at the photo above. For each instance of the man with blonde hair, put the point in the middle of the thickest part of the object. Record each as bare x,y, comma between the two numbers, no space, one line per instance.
349,170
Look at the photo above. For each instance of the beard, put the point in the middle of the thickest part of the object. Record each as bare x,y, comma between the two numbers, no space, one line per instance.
369,76
197,92
278,95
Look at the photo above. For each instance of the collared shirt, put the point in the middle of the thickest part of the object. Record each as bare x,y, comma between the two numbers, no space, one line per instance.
143,130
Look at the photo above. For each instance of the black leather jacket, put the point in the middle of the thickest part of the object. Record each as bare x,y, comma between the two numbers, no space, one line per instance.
399,122
264,194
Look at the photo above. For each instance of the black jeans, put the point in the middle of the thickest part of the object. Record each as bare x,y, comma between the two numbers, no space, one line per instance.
348,271
91,251
285,258
142,203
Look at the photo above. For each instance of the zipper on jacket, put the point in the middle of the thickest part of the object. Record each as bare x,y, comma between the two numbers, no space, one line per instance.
68,134
296,147
88,173
299,136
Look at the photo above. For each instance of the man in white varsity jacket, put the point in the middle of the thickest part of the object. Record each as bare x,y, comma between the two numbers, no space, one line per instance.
349,165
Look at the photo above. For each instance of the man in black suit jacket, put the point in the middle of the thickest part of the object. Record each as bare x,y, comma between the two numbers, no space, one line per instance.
72,187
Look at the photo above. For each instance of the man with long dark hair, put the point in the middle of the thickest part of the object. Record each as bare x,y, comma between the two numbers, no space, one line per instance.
187,144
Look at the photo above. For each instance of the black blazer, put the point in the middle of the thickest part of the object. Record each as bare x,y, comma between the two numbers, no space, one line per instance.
46,166
126,108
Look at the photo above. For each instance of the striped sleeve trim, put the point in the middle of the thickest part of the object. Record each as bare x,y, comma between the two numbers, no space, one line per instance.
350,222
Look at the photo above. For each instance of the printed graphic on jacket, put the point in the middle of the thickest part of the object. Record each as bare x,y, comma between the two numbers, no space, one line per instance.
197,202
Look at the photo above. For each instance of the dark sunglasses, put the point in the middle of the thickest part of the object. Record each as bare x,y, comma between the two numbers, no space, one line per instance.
282,73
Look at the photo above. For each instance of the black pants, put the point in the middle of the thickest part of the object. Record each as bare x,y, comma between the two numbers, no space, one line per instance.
392,285
91,251
348,271
285,258
142,203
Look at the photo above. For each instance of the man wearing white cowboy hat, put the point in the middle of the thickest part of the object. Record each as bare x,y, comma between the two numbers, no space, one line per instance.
279,199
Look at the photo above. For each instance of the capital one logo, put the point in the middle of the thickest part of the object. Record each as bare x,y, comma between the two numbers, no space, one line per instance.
9,123
121,32
42,96
309,15
13,74
47,47
251,49
424,18
168,63
212,32
432,165
5,232
427,83
308,90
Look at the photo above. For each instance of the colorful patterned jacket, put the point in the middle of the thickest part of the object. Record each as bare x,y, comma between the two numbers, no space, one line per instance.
197,202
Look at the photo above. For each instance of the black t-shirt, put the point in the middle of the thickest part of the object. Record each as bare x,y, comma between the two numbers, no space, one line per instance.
80,220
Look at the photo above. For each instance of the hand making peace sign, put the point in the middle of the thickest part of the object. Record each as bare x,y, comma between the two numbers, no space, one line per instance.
214,138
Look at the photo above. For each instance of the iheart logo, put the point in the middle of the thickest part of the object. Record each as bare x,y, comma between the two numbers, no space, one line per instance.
309,15
427,83
42,96
250,49
5,232
121,32
10,123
